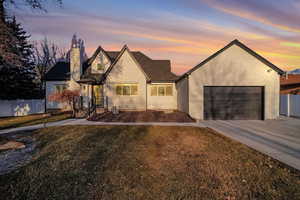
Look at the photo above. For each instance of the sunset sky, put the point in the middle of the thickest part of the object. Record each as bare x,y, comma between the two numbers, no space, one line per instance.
184,31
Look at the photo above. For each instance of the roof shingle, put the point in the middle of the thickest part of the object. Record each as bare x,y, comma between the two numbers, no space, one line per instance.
156,70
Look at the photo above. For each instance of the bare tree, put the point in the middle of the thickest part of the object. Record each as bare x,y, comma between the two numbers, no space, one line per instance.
46,55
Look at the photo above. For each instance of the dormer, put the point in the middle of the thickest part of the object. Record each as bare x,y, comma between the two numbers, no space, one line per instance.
101,63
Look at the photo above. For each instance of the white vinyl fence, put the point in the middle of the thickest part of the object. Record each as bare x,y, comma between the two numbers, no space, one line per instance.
21,107
290,105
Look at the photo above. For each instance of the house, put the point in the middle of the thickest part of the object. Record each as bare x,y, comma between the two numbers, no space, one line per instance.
290,84
129,80
233,83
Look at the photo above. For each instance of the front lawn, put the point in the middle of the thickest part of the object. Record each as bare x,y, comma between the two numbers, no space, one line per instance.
147,162
14,122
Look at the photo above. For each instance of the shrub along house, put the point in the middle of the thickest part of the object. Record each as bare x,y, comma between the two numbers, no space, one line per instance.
233,83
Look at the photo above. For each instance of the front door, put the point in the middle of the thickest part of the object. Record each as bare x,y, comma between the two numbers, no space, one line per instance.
98,95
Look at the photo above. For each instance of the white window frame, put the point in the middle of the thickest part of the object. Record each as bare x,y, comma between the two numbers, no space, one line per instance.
130,85
164,86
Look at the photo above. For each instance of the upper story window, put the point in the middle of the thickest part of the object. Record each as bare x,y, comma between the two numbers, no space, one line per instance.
100,63
161,90
127,89
100,67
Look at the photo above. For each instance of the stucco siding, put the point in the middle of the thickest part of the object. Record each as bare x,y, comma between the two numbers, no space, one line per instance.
234,67
126,71
182,95
162,102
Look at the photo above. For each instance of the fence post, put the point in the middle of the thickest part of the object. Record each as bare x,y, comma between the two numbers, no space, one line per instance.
288,105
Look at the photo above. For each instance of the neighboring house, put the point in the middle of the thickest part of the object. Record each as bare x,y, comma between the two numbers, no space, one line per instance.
234,83
126,79
290,84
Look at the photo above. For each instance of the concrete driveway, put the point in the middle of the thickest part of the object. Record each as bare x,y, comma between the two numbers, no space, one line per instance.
279,139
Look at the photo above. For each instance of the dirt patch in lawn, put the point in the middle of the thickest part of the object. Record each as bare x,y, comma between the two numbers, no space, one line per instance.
147,162
143,116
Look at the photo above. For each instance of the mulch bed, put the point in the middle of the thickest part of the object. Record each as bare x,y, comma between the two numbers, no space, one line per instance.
143,116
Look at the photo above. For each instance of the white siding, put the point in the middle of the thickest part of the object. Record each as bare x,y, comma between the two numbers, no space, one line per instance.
100,59
234,67
126,70
162,102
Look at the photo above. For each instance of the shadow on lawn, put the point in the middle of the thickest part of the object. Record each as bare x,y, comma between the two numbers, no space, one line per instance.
146,162
69,163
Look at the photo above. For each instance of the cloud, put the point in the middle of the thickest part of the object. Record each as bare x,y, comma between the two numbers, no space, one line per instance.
267,14
163,35
290,44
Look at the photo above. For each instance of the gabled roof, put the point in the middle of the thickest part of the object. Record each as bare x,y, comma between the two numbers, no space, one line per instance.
241,45
154,70
59,72
94,56
124,49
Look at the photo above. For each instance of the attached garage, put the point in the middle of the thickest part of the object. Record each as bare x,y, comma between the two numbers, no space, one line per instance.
235,83
231,103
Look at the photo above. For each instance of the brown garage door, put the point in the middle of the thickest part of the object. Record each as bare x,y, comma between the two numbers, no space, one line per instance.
233,103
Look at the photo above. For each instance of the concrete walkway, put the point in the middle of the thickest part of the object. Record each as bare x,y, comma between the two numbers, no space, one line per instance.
279,139
70,122
37,126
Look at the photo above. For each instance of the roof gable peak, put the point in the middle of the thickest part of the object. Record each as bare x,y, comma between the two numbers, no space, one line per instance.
242,46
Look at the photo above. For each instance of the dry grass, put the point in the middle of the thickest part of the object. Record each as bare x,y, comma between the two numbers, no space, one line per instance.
140,162
13,122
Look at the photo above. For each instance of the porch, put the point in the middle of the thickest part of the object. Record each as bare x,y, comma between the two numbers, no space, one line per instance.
91,100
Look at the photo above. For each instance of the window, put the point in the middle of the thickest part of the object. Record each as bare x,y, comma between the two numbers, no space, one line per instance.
134,90
153,91
60,88
119,90
127,89
100,67
161,90
169,90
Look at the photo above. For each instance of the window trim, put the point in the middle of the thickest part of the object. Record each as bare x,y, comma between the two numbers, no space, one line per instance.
123,85
164,86
100,64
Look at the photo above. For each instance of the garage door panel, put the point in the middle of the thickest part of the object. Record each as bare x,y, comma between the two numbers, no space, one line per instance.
233,103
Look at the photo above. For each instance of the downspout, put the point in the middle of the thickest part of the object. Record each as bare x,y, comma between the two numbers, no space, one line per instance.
188,91
146,95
